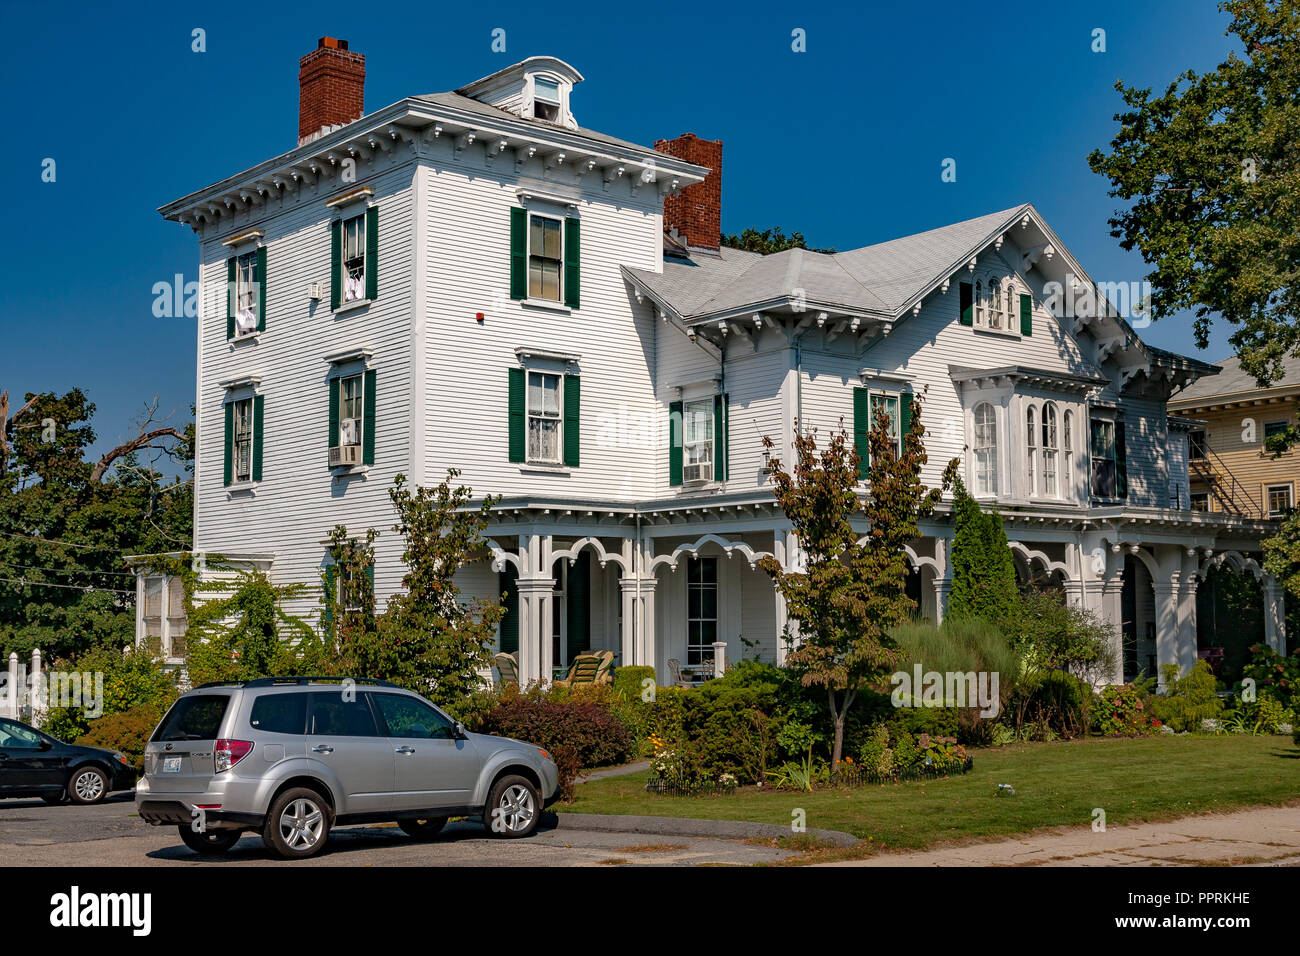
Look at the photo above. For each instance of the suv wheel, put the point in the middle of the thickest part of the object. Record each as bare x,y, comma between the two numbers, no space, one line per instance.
423,829
209,842
88,785
297,825
513,809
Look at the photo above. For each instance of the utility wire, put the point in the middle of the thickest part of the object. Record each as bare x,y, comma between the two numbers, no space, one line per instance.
70,587
28,567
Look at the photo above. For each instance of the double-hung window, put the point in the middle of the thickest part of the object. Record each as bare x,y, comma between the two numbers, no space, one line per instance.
246,279
1279,500
354,258
1104,469
1197,445
697,440
986,449
544,417
546,99
1050,449
243,439
545,257
886,404
701,609
1031,449
351,410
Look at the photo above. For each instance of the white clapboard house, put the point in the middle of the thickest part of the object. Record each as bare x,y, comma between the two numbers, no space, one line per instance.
473,280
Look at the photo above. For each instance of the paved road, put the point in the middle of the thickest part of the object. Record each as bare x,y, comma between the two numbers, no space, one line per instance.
110,834
1267,836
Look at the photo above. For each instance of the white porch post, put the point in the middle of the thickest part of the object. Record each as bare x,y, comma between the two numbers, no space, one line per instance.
1274,614
719,658
547,615
942,580
9,705
627,588
38,689
647,654
530,585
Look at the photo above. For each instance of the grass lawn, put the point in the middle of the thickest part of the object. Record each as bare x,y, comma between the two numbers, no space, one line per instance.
1057,784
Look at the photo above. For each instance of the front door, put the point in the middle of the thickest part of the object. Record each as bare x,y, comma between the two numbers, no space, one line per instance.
433,769
344,738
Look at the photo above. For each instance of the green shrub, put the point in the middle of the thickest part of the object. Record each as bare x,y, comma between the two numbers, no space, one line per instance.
1120,710
1275,676
1187,700
1051,704
131,679
1052,634
127,731
629,682
1261,716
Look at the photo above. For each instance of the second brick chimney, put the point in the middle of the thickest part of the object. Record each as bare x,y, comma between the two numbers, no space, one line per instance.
696,212
331,88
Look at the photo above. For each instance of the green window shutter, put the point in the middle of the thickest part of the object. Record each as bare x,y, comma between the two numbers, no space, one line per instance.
368,420
967,296
261,288
518,254
675,427
862,429
336,263
230,443
258,402
720,438
372,252
572,416
327,615
1121,462
1026,314
904,416
334,412
516,415
578,601
230,298
572,262
510,621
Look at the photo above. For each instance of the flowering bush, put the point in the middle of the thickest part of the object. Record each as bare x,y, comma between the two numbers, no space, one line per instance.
1121,711
1274,675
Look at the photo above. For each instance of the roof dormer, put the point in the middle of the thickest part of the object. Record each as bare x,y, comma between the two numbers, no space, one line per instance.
535,88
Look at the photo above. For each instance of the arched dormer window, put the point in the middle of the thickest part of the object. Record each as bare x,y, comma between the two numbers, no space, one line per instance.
980,316
1009,298
986,449
995,304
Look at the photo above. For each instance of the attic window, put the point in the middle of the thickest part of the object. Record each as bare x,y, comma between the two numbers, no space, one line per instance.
546,99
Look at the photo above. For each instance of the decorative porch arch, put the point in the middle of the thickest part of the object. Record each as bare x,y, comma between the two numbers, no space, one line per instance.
1237,560
1029,556
501,557
603,556
728,547
917,561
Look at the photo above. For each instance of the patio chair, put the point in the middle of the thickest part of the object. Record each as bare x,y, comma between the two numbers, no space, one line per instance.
508,668
595,667
675,673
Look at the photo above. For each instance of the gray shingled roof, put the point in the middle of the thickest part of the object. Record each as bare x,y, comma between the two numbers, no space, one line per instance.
1232,380
879,278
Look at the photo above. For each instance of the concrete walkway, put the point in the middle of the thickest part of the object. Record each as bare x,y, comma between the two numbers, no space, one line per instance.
614,771
1261,837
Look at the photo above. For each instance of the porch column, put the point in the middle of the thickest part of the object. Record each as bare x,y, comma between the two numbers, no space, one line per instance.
785,548
38,689
547,637
942,580
532,587
1274,613
647,654
9,704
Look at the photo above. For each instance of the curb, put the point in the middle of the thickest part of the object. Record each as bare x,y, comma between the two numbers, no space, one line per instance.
681,826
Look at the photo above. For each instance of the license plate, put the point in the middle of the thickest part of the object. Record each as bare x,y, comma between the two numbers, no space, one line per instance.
171,765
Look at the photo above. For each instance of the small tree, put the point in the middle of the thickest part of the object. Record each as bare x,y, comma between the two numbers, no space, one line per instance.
427,638
850,594
983,570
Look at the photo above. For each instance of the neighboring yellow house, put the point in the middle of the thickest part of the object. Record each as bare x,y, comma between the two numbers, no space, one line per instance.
1230,470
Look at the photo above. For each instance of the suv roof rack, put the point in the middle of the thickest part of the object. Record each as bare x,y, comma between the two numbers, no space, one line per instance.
298,680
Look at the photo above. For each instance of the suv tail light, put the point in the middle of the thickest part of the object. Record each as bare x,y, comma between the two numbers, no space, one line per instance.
227,753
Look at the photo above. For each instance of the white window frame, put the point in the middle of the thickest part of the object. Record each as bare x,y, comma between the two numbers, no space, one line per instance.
705,651
1204,496
353,288
241,440
246,282
704,448
895,417
1269,489
1031,446
1067,453
557,103
985,457
359,405
559,285
1051,448
541,415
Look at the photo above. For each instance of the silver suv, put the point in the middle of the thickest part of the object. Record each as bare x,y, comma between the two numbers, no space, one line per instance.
290,757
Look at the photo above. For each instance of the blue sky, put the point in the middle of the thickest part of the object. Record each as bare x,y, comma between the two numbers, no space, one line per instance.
843,142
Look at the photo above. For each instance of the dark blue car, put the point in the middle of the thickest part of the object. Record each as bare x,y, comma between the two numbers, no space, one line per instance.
33,764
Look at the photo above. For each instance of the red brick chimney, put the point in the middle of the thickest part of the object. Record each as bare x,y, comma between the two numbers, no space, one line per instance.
331,88
696,211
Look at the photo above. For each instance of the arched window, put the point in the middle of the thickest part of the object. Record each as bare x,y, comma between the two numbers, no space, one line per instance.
1050,447
1009,297
995,305
986,450
979,303
1067,443
1031,451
